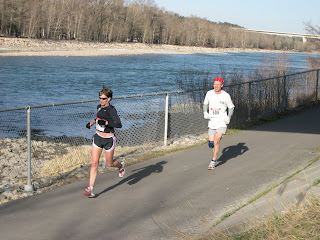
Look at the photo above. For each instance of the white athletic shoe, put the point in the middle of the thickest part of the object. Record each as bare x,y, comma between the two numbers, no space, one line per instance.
122,171
88,192
211,165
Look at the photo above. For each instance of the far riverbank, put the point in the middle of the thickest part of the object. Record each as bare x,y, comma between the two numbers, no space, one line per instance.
36,47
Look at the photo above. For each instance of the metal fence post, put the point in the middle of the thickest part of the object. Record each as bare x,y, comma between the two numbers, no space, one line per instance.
166,117
28,186
284,92
317,85
249,103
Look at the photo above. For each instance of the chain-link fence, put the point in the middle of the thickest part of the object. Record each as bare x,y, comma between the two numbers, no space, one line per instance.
60,142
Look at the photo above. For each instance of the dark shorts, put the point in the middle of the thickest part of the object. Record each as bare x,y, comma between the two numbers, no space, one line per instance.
107,144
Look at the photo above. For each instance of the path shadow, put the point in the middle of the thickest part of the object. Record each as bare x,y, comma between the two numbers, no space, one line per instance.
140,174
232,152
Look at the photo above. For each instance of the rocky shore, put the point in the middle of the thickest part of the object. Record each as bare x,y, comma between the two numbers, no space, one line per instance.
36,47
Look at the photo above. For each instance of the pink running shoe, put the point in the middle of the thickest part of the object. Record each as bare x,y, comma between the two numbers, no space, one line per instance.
88,192
122,171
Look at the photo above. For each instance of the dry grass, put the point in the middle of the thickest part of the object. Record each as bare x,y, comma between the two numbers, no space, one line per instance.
81,156
77,157
296,223
318,149
61,164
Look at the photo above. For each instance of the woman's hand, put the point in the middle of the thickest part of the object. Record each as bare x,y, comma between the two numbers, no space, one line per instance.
89,124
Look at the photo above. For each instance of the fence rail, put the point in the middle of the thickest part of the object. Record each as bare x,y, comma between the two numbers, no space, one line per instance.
47,140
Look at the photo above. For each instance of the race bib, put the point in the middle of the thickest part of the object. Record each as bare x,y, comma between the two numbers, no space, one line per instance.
214,112
100,127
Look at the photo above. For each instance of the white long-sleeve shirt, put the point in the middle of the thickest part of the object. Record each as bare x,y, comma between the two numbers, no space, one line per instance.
218,105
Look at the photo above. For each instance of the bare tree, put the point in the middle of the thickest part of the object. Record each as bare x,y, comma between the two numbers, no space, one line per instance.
128,20
314,62
314,30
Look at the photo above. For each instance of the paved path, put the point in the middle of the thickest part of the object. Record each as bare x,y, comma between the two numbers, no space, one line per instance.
175,191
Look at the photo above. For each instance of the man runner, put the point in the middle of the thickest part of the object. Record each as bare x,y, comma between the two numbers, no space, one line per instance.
215,106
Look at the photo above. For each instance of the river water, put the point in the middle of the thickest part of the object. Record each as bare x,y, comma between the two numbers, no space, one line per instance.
50,80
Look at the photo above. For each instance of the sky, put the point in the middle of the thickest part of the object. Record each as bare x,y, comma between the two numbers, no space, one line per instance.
270,15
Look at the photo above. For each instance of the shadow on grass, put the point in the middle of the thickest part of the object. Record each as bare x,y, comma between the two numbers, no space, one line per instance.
140,174
232,152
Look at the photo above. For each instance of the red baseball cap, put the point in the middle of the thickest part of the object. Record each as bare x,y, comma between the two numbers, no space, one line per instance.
219,79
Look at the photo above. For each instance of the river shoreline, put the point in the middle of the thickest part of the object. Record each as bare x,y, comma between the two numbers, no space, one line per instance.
36,47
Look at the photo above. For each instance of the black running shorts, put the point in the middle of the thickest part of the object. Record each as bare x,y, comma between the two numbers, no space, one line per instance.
101,142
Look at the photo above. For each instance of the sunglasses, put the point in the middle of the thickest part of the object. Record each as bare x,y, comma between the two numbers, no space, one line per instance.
103,98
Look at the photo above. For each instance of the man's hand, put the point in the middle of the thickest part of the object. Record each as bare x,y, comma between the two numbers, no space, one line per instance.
88,125
206,115
227,120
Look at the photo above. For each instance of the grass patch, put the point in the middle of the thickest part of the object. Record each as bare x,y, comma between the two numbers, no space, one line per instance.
296,223
81,156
